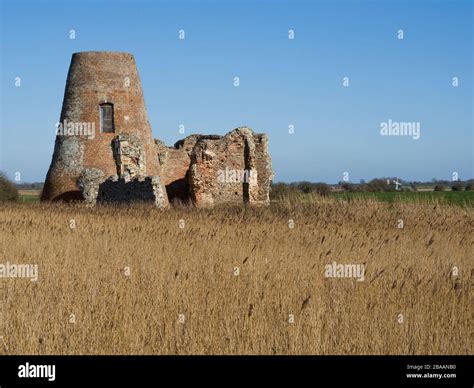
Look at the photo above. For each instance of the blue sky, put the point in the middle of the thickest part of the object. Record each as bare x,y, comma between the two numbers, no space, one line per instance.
282,82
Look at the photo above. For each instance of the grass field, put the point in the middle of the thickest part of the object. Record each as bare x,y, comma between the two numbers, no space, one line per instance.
231,280
462,198
29,195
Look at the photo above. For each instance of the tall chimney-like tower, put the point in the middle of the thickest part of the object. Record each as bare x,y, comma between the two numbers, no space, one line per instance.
102,117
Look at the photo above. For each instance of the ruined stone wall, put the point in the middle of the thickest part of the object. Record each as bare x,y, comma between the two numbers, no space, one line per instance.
129,155
211,159
209,170
95,78
263,165
175,162
120,189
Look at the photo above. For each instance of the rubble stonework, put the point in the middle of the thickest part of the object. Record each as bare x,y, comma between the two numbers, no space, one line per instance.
175,162
123,163
129,156
212,169
89,182
120,189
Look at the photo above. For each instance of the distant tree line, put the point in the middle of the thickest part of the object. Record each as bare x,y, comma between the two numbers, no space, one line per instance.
455,186
30,186
282,189
375,185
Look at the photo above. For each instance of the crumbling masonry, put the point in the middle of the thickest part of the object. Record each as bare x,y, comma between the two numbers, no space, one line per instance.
105,151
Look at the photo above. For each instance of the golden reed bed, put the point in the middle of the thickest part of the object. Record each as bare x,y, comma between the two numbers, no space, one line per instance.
134,280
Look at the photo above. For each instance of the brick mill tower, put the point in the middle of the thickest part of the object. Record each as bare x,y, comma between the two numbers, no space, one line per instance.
104,148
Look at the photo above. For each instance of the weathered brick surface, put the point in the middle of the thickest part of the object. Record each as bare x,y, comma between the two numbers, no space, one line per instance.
175,162
212,169
263,164
234,168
